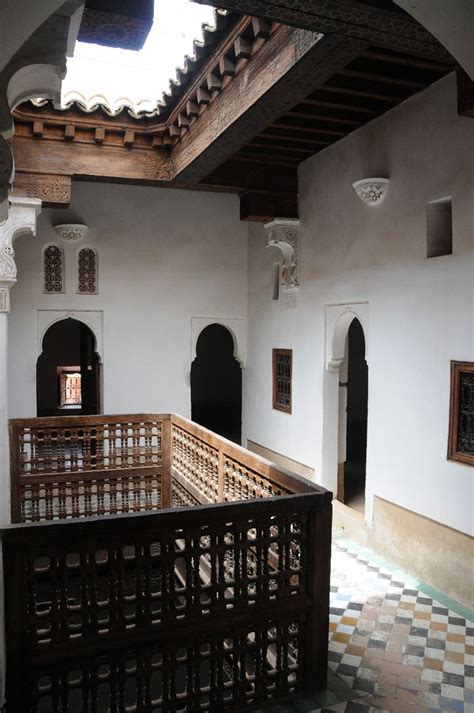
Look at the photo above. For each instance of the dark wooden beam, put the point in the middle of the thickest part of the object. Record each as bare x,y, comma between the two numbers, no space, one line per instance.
260,207
80,159
386,27
291,64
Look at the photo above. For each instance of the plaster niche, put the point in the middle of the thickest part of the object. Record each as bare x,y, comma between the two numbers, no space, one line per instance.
282,233
338,320
94,319
237,328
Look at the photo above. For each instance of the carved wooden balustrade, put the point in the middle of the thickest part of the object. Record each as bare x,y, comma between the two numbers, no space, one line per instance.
216,603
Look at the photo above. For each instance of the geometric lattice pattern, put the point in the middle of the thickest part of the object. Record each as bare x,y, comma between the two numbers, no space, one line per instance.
53,269
399,648
87,271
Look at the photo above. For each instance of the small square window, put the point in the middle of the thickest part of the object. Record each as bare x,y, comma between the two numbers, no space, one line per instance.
439,228
282,377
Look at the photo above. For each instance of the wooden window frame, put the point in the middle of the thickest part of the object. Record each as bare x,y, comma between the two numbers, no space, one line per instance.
275,354
457,367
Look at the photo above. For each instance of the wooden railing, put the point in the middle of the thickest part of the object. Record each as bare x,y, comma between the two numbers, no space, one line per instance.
214,604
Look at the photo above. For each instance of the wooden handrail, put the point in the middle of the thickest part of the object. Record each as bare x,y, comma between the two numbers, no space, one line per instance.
74,466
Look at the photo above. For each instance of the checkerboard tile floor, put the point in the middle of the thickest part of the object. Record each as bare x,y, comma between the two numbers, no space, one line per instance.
398,648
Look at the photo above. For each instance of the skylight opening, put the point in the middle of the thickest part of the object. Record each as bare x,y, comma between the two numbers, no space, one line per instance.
116,77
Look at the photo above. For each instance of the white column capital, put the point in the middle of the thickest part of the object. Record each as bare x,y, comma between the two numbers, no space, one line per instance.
22,218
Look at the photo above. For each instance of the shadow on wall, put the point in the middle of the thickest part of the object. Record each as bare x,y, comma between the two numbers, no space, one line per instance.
216,383
68,371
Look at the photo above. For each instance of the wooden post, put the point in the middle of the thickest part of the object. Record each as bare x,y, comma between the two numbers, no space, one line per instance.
220,477
17,692
15,494
166,446
319,570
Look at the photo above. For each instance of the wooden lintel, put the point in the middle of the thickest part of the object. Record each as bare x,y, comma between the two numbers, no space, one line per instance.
53,190
391,29
90,160
290,65
258,207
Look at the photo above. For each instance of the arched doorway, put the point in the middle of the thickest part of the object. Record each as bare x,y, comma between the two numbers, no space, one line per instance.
68,371
356,417
216,383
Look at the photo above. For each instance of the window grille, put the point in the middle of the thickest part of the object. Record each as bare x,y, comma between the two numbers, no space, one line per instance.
87,276
282,377
53,264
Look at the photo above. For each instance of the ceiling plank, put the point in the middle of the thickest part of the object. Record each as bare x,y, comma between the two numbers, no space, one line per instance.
379,26
292,64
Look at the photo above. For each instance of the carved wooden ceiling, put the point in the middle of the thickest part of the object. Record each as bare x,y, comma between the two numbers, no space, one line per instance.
260,98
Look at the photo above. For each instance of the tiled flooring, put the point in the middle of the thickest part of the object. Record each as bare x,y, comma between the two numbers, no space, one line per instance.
401,648
393,647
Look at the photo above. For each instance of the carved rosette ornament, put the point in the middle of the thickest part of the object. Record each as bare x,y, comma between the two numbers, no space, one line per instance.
71,232
21,219
371,191
282,233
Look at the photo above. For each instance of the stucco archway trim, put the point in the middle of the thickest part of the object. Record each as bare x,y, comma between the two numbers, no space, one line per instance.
94,319
338,320
237,328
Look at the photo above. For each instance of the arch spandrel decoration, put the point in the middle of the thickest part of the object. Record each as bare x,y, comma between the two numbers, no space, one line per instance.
237,328
94,319
338,320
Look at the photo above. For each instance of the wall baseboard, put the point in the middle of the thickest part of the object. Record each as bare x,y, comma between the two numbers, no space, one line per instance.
283,461
435,553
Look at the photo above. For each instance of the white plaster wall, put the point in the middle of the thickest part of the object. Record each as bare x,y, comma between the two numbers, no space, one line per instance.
165,256
420,310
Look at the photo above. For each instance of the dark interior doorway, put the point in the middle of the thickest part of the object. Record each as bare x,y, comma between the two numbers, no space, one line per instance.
357,398
68,371
216,383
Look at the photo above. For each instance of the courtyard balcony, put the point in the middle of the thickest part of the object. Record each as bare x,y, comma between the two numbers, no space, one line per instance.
154,566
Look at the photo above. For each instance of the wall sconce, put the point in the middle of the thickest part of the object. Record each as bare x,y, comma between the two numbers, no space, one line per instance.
371,190
71,232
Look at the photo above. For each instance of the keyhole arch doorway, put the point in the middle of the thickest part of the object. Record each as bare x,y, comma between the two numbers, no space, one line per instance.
68,370
353,417
216,383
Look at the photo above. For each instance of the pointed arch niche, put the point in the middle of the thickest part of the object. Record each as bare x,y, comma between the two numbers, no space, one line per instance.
345,400
90,355
216,382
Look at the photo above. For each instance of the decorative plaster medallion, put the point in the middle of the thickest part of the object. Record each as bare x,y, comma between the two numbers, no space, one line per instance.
71,232
371,190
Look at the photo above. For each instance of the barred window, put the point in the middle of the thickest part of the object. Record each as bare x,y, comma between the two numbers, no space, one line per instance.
87,276
53,265
282,376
